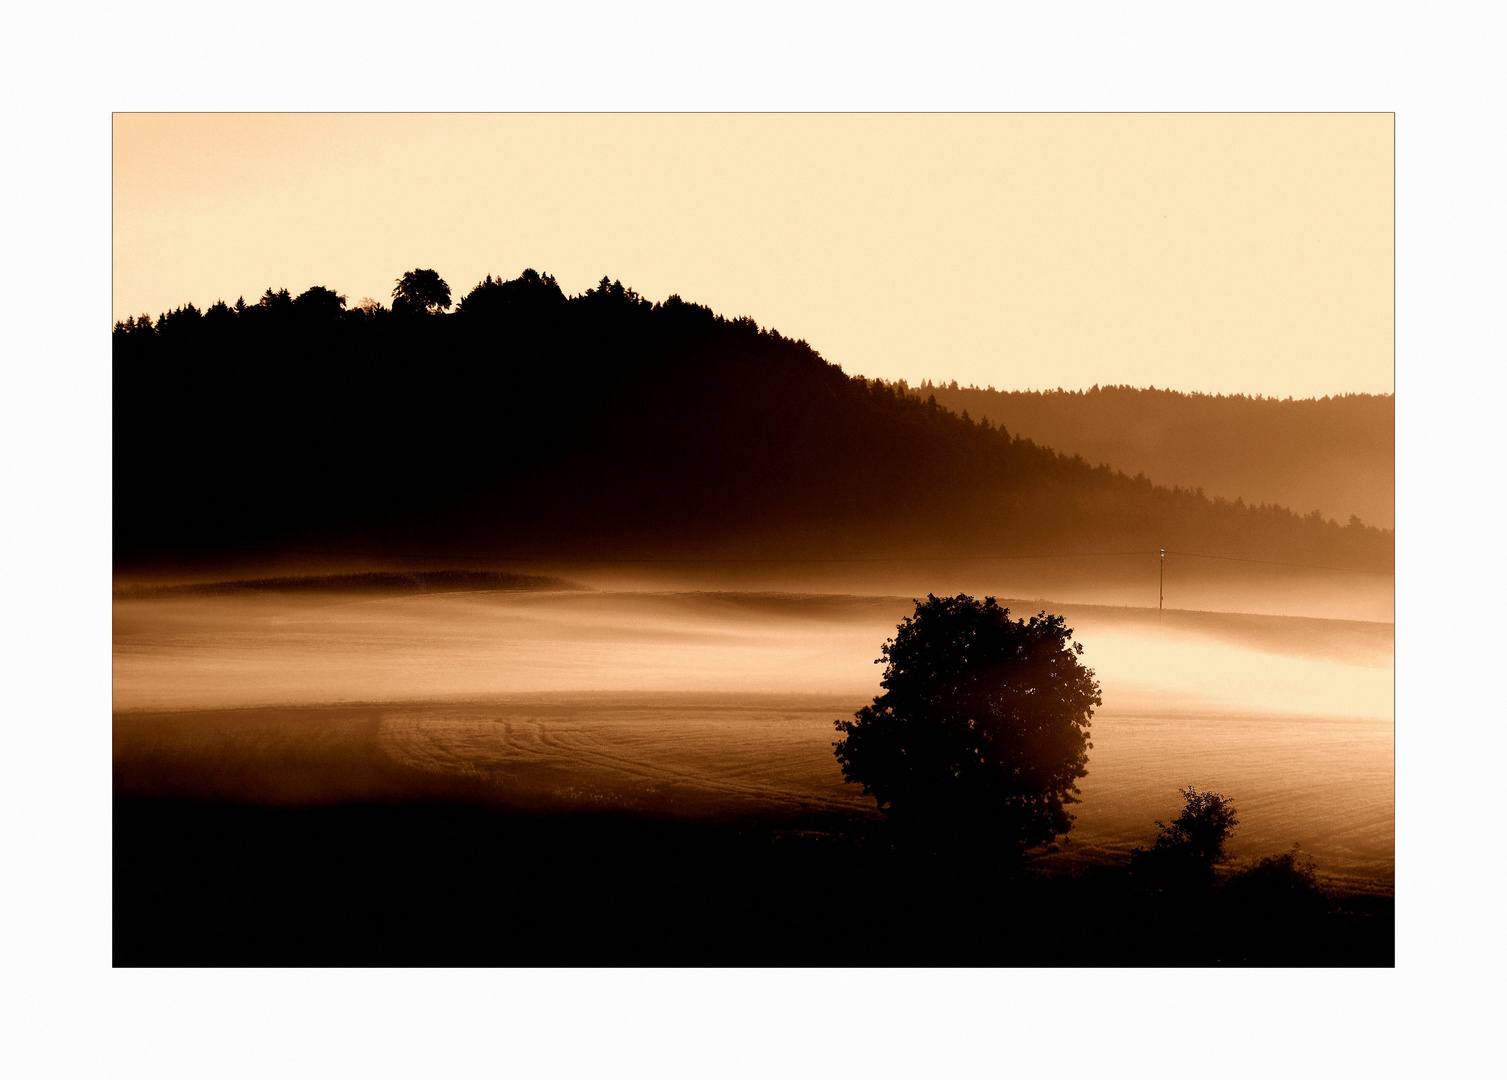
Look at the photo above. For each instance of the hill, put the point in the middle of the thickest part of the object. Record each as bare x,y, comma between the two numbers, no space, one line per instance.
528,423
1333,454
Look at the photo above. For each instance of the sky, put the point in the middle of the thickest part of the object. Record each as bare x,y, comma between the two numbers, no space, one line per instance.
1226,253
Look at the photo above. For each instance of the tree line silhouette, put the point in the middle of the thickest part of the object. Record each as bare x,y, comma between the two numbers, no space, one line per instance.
1334,454
529,423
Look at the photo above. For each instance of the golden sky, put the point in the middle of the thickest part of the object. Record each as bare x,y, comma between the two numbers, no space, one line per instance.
1232,253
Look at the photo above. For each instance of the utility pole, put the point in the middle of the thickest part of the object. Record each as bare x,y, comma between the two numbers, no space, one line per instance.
1161,566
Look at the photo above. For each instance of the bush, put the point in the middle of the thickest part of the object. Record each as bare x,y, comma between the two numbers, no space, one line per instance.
1186,850
1283,885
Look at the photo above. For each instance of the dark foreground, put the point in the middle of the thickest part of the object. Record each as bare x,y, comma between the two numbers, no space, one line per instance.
395,885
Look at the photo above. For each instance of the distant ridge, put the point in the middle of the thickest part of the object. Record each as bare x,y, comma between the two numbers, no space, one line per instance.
1331,454
431,581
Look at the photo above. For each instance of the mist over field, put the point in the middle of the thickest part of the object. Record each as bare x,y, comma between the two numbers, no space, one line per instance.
707,693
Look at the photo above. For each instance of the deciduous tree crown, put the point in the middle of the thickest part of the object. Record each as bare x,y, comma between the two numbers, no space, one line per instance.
421,290
982,729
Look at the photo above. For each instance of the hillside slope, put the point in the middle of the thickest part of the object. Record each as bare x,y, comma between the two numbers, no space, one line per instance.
1333,454
531,424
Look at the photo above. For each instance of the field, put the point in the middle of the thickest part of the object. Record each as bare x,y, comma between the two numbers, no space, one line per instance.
717,706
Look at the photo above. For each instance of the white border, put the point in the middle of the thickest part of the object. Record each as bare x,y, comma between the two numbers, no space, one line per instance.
66,70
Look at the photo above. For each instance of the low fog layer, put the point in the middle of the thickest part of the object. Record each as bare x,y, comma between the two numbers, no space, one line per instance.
706,703
251,650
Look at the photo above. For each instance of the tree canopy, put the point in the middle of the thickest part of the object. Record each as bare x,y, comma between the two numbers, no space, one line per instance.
421,290
320,302
982,729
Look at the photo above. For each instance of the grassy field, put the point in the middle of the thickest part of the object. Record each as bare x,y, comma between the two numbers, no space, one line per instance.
294,762
757,760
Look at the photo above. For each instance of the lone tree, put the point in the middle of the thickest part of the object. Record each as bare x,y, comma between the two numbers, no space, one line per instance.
982,729
421,290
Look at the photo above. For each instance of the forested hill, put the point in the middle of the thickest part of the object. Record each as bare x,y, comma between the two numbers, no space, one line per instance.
527,423
1333,454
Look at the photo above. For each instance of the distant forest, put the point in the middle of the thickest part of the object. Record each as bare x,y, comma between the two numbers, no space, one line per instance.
528,423
1333,454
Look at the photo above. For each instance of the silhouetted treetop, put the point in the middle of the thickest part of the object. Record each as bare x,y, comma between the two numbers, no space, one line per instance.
421,291
497,298
319,302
